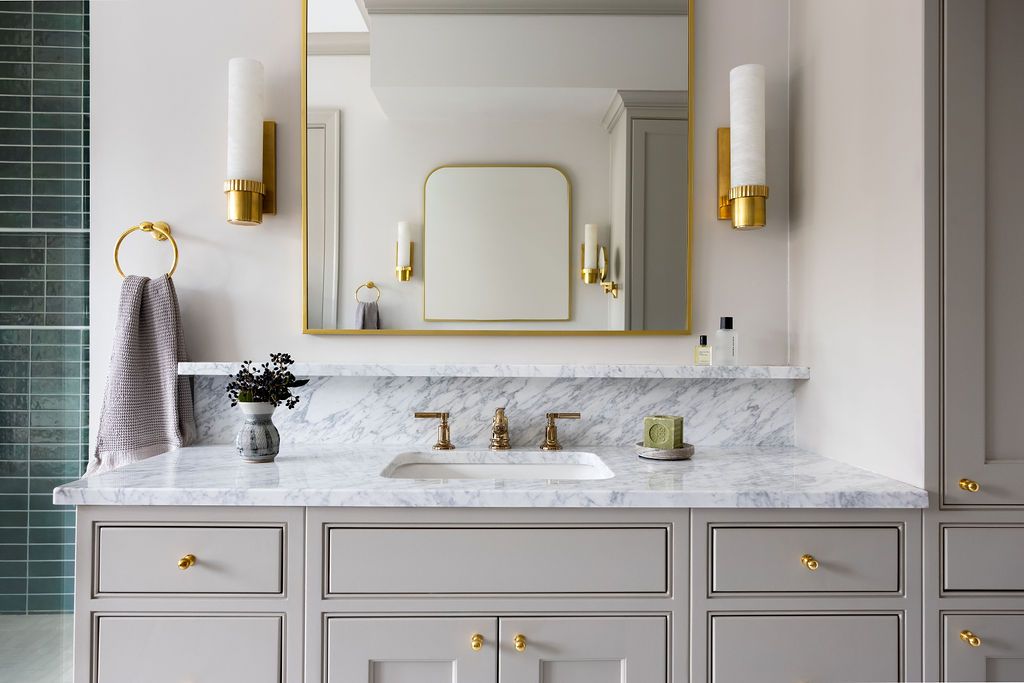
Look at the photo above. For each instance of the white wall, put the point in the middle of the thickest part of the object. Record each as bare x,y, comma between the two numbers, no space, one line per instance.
857,231
158,133
385,162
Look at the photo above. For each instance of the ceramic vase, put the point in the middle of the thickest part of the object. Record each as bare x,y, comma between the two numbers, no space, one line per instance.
258,439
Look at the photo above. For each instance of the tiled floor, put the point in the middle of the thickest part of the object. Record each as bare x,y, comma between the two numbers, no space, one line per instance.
36,648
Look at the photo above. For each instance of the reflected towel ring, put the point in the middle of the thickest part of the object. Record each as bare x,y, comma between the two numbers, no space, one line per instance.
160,231
368,285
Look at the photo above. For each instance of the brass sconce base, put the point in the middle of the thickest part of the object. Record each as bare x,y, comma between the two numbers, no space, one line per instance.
248,200
403,273
748,213
589,276
745,205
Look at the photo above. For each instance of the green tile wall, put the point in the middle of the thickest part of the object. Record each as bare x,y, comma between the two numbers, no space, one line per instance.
44,294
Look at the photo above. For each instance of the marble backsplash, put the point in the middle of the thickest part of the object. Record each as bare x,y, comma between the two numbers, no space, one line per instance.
378,410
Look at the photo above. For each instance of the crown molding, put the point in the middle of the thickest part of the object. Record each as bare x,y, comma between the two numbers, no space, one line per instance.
654,103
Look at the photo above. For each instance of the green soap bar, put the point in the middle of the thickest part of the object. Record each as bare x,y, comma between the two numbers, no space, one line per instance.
663,431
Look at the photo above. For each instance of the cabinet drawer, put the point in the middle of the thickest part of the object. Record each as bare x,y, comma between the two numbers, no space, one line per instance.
983,558
141,559
805,648
461,560
769,559
200,649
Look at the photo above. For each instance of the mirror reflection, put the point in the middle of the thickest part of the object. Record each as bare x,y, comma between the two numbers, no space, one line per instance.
513,173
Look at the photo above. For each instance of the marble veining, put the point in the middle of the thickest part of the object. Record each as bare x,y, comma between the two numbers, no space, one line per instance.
581,371
338,476
378,410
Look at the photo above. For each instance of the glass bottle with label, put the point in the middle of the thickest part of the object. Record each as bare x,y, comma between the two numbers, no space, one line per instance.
727,343
702,352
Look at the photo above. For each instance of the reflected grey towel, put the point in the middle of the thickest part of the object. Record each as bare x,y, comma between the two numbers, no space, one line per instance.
368,316
147,406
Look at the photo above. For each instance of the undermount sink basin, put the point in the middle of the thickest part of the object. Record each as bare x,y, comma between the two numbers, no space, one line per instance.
470,464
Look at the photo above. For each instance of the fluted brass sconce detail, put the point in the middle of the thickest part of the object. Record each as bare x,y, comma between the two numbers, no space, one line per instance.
404,252
403,273
742,189
251,185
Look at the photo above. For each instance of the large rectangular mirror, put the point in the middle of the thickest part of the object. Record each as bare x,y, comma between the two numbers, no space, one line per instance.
497,166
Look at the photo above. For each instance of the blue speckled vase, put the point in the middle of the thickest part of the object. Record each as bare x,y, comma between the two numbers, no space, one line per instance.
258,439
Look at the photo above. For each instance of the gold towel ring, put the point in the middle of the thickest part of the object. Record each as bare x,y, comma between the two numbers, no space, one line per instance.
160,231
368,285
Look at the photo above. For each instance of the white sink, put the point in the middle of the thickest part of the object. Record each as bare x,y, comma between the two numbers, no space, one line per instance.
479,464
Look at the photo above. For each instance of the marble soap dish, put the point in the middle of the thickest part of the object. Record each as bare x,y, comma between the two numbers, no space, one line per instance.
683,453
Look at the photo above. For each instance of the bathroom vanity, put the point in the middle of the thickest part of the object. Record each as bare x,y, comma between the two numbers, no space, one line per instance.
741,564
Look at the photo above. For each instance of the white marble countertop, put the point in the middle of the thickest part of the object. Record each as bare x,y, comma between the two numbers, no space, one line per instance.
518,370
745,477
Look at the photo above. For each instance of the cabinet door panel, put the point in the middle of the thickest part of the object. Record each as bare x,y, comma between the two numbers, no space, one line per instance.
201,649
999,655
584,650
805,648
984,247
409,650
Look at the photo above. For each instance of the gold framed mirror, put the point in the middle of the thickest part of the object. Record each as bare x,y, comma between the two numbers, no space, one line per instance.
612,127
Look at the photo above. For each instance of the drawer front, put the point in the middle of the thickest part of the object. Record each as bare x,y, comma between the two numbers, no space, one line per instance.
137,559
461,560
769,559
200,649
980,558
998,652
805,648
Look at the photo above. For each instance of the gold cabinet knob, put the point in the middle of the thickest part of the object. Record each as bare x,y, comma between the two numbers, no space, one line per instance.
969,485
809,562
520,642
476,642
186,562
970,638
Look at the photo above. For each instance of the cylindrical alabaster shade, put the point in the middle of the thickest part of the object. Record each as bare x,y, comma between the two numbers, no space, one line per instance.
245,119
746,121
404,240
590,245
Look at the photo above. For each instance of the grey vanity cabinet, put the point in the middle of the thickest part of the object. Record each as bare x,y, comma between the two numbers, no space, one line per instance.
983,647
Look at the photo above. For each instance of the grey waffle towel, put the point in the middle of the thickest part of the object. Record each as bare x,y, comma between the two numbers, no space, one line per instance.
367,316
147,406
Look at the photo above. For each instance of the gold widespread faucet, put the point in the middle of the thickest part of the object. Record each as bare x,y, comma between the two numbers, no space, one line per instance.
551,431
444,441
499,431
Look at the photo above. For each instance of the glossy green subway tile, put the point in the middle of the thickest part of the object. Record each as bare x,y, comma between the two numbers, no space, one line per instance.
15,187
13,468
14,16
13,604
10,569
13,585
63,518
59,337
51,535
42,502
13,435
59,22
79,7
58,220
15,86
17,519
15,220
63,154
14,37
15,103
10,535
12,203
14,502
51,586
11,153
14,552
15,337
16,53
57,88
13,418
54,104
19,485
67,289
55,385
45,38
47,603
53,451
21,288
63,470
15,169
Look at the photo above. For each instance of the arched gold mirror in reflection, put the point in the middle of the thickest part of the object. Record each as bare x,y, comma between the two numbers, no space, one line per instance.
600,97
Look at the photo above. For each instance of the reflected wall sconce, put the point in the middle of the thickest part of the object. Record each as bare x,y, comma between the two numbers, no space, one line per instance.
742,176
594,262
403,252
251,187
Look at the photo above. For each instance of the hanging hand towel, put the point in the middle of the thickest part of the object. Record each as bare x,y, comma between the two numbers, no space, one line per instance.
367,316
147,406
